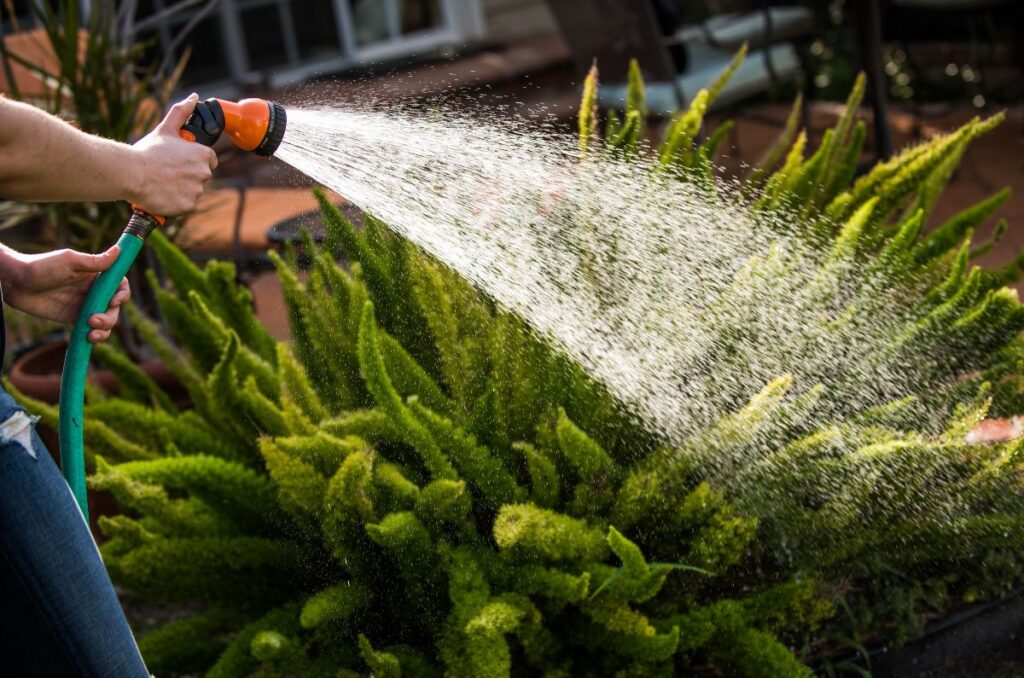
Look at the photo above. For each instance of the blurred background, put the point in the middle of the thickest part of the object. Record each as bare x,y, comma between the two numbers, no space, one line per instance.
113,67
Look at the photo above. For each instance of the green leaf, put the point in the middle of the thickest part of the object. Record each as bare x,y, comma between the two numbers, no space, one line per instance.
587,118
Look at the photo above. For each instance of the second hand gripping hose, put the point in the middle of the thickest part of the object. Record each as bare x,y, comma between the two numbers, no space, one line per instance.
255,125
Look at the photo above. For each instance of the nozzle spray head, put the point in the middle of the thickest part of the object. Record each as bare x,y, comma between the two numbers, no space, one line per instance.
255,125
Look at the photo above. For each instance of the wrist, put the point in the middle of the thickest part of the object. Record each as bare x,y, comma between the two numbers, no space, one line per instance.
12,267
132,183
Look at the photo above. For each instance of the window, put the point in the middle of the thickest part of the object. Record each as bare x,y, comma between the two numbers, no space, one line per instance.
316,29
371,19
288,40
380,20
267,42
207,57
420,15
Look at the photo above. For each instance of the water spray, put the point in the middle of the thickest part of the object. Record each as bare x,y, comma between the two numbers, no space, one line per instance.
254,125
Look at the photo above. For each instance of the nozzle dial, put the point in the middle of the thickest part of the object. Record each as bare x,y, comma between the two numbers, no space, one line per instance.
255,125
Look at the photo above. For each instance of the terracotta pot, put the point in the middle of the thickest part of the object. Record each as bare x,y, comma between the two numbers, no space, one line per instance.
37,373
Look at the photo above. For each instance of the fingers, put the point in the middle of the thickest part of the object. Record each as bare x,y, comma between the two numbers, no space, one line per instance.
103,323
108,318
203,160
123,294
199,160
80,262
98,336
178,114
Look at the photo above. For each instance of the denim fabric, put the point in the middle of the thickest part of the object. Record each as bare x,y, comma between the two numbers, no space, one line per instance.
3,330
59,615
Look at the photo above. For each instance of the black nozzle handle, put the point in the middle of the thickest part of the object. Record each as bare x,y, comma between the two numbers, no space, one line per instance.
204,126
206,123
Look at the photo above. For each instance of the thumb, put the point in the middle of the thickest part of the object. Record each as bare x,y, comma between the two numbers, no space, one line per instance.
178,114
94,263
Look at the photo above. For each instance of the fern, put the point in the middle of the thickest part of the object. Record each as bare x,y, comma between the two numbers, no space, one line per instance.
418,485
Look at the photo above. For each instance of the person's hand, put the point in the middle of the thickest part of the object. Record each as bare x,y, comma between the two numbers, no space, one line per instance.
54,285
171,172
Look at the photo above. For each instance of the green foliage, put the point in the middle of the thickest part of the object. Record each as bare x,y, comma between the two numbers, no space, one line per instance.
587,119
189,644
636,98
417,485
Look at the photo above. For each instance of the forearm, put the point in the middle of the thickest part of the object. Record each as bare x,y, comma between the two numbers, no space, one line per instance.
42,158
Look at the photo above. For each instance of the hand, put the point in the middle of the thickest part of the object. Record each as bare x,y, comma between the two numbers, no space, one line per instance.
170,170
54,285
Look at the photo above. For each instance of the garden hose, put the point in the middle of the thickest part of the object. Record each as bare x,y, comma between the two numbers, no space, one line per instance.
255,125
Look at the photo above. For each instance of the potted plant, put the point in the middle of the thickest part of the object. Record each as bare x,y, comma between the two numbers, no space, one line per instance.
420,485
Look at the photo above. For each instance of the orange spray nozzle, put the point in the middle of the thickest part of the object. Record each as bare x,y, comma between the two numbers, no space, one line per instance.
255,125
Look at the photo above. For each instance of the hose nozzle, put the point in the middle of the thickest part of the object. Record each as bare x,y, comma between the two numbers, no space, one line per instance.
255,125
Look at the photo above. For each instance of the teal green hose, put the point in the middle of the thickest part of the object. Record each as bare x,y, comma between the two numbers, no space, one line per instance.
254,125
76,365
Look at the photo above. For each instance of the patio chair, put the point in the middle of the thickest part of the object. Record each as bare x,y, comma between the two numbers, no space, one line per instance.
908,21
680,60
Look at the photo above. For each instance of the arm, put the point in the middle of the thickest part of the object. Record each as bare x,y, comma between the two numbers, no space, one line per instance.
43,158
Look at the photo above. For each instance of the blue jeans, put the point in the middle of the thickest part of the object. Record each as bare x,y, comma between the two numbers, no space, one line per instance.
59,615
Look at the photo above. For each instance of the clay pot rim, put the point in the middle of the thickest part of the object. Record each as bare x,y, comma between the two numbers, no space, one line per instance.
44,384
